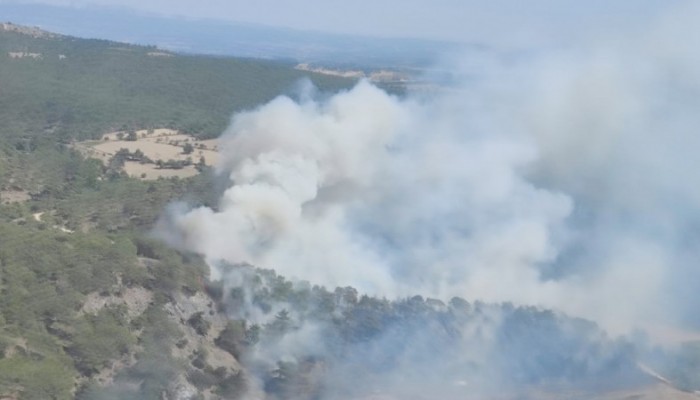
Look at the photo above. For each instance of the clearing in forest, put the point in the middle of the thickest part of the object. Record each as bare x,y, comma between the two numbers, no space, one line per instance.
154,153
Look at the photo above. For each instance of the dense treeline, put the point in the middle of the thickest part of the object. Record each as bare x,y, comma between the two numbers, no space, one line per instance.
407,346
76,88
48,341
57,89
81,234
82,194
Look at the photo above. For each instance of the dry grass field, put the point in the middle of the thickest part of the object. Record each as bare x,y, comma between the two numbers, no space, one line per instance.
13,196
157,145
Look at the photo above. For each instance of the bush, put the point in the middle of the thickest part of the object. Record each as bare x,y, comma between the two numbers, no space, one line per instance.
99,340
232,338
199,323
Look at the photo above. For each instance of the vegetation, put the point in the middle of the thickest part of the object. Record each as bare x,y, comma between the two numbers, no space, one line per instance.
82,236
82,88
47,276
372,340
78,89
93,307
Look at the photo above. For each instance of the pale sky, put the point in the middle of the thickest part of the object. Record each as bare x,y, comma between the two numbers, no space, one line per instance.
485,21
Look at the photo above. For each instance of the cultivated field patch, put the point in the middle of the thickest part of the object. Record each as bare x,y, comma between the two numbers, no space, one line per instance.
153,153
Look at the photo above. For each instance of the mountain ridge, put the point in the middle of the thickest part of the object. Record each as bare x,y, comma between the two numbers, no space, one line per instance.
233,39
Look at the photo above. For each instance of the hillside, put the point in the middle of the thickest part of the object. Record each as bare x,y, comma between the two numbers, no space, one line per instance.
76,88
84,292
93,306
209,36
58,89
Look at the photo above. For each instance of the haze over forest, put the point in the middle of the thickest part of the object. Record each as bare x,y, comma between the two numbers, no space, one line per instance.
223,209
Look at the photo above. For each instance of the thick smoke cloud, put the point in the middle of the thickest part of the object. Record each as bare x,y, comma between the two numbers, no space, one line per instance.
567,180
393,197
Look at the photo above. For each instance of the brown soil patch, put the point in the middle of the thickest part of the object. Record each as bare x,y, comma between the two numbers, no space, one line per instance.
159,54
381,76
136,300
150,172
157,144
22,54
181,310
332,72
14,196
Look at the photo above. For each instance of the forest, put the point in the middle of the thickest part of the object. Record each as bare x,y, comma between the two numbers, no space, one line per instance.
93,306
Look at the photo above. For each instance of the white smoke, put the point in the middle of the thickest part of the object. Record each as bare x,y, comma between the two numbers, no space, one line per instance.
568,180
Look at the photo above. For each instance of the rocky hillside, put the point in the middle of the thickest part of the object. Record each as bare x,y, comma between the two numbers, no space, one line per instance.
27,30
90,307
84,314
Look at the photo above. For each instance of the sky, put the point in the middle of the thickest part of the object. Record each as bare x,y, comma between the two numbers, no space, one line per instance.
500,22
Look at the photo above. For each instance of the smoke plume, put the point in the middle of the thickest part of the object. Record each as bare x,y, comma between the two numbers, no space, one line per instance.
567,179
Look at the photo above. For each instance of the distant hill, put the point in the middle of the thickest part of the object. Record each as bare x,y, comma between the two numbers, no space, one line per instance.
80,88
56,89
232,39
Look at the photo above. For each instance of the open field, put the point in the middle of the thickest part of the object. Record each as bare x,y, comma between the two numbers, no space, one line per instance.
13,196
377,76
157,145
